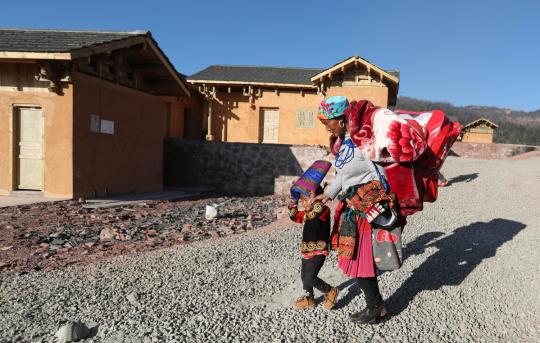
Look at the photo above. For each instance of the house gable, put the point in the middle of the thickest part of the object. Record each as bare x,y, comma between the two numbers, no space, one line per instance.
356,71
480,122
131,58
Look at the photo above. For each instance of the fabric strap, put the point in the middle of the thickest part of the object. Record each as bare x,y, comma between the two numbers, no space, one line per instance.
382,179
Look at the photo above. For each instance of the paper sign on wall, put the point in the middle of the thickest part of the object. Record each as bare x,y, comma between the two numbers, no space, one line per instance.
107,126
94,123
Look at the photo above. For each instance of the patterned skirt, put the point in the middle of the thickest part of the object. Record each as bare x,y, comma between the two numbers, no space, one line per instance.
362,264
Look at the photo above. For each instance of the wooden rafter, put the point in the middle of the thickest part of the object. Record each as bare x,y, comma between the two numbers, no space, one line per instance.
35,55
108,56
168,65
261,84
356,60
108,47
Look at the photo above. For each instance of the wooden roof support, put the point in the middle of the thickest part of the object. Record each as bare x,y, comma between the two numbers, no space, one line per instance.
169,66
85,60
35,55
254,84
108,47
55,72
208,92
355,60
82,56
249,91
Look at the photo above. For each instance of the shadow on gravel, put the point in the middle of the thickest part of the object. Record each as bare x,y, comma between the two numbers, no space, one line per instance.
93,331
462,178
352,291
417,247
458,255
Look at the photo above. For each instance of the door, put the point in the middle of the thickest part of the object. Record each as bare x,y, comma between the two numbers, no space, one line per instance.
30,148
270,125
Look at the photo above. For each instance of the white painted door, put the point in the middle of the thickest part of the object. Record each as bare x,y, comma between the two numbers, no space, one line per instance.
30,146
270,126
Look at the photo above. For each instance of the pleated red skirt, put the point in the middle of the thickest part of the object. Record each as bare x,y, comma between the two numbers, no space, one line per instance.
362,265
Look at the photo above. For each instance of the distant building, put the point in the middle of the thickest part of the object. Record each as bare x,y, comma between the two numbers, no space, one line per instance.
84,113
478,131
279,105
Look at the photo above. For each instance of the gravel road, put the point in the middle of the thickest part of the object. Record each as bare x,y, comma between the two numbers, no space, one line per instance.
471,275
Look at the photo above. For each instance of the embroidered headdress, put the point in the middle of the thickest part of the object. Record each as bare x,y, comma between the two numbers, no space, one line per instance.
333,107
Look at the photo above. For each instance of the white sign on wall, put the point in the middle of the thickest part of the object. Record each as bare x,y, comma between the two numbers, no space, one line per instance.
107,126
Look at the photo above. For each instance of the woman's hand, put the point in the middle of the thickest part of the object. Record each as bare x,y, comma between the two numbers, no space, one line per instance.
292,203
321,197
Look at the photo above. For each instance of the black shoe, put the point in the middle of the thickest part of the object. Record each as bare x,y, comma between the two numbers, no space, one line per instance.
369,315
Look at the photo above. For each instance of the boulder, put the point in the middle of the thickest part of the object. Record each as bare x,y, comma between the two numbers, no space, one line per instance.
72,332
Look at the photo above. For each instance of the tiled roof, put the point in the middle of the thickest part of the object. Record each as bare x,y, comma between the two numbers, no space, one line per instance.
30,40
395,73
296,76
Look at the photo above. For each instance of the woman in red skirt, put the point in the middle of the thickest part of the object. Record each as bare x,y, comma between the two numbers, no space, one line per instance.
365,200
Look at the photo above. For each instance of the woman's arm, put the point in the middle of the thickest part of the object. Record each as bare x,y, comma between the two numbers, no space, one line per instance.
335,187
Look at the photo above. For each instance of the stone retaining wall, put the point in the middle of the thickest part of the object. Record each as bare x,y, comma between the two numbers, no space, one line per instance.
489,151
238,168
263,169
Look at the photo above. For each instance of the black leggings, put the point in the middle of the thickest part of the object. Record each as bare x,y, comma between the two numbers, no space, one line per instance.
370,287
309,274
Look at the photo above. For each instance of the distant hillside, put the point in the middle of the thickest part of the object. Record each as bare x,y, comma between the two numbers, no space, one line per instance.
515,127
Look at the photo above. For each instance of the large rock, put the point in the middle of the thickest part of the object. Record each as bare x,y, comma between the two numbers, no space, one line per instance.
72,332
133,298
107,235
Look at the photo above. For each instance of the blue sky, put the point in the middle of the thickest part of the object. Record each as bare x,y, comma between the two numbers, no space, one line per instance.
474,52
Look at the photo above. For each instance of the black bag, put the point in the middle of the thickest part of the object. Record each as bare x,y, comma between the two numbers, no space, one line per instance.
387,248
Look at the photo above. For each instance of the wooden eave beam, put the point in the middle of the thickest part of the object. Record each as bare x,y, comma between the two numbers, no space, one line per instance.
16,60
355,59
260,84
144,65
145,41
75,54
168,65
158,78
108,47
35,55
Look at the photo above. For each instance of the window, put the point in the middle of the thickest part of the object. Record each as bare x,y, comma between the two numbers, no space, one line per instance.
306,118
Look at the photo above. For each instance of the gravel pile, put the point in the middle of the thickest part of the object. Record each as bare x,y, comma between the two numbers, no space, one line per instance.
51,235
471,275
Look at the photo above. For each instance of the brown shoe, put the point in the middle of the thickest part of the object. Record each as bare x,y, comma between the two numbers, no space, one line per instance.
304,302
330,298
